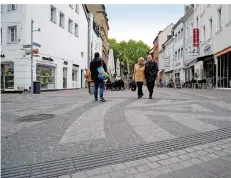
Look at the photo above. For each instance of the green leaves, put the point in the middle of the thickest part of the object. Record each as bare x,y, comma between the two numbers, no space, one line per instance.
129,51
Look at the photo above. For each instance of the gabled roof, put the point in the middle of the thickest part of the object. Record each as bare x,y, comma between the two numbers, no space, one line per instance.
179,21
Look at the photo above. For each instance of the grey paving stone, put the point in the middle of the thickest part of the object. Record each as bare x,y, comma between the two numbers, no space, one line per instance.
165,169
93,172
164,162
141,175
176,166
65,176
204,175
106,169
174,160
181,152
209,150
116,174
153,173
201,152
102,176
142,161
130,171
78,175
163,156
131,164
226,176
195,161
189,150
118,167
173,154
214,169
187,172
216,148
226,158
154,165
142,168
198,147
165,176
153,158
193,155
186,163
183,157
221,153
213,156
204,158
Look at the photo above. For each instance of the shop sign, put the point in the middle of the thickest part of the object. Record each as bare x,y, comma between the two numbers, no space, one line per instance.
75,65
29,46
47,59
207,49
196,37
65,62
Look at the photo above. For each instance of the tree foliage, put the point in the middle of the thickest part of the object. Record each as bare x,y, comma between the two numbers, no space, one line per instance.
129,51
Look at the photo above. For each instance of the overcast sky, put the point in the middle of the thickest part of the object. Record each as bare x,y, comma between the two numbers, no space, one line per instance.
141,22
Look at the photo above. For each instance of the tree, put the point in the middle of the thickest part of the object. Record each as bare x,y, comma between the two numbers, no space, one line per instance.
129,51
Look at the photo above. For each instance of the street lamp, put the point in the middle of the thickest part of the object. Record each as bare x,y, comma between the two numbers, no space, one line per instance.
32,30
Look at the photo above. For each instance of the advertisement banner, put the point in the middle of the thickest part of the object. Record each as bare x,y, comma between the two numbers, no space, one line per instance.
196,37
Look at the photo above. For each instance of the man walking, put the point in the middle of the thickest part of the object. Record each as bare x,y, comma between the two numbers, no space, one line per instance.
98,83
151,70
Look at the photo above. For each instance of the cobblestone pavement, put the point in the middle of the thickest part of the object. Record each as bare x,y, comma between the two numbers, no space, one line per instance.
75,125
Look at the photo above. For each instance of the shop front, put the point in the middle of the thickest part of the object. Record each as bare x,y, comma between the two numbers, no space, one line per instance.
224,68
75,70
45,73
7,76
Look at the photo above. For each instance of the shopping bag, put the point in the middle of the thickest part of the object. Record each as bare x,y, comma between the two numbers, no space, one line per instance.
102,74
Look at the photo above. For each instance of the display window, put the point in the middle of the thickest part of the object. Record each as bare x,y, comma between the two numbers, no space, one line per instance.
7,76
46,76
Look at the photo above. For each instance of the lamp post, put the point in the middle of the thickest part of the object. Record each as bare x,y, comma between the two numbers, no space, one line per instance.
32,30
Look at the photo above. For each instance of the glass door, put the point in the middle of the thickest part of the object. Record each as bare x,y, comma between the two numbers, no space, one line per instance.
7,76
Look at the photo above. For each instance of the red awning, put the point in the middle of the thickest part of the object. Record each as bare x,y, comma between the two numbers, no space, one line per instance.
223,51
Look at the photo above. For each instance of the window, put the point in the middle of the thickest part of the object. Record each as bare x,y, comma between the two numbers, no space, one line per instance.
182,33
175,55
61,19
53,14
12,32
71,6
12,7
187,32
210,27
76,30
204,33
179,36
178,54
219,18
181,55
189,49
191,30
70,26
197,22
77,8
175,38
229,12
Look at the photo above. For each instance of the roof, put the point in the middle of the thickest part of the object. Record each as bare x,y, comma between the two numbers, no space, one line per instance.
179,21
157,36
86,11
169,39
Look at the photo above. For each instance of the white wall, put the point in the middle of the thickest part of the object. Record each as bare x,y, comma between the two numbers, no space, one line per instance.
55,41
169,55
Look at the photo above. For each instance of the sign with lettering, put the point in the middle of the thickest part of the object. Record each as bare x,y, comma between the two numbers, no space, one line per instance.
207,49
196,37
47,59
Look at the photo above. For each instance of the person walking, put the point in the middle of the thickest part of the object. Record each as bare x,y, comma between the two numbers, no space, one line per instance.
139,76
88,79
98,83
151,70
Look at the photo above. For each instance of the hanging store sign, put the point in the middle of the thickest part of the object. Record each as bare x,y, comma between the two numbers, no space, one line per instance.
196,37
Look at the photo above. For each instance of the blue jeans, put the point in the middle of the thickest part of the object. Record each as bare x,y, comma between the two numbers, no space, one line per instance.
98,84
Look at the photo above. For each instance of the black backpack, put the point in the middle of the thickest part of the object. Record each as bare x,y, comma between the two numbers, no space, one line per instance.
133,88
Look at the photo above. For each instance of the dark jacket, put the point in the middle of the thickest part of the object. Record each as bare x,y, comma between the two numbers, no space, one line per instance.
151,70
96,63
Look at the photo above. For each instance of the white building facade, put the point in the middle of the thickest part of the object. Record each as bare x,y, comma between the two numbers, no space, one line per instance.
169,59
214,23
61,46
95,38
162,38
178,32
190,54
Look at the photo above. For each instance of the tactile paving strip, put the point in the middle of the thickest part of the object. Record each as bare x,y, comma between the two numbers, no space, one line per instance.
91,161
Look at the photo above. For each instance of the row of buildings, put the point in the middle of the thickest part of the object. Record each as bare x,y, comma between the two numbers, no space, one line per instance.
65,39
198,47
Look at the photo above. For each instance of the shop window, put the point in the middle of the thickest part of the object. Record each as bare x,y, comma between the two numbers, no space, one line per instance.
64,77
7,76
45,74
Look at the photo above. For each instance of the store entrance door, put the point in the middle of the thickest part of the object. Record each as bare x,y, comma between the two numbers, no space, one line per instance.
7,76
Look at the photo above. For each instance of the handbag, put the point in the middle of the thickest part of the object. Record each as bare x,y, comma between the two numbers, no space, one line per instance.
133,88
101,73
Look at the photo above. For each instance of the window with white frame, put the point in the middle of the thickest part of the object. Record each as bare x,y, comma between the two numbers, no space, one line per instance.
12,34
53,14
70,25
12,7
76,30
204,33
77,8
181,54
187,32
71,6
181,33
61,19
219,18
179,36
191,29
1,35
197,21
175,38
175,55
210,27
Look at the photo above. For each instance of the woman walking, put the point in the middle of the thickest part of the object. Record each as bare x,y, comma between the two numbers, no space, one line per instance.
139,75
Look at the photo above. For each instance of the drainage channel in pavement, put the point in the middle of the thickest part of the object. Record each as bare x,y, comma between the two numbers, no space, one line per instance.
91,161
